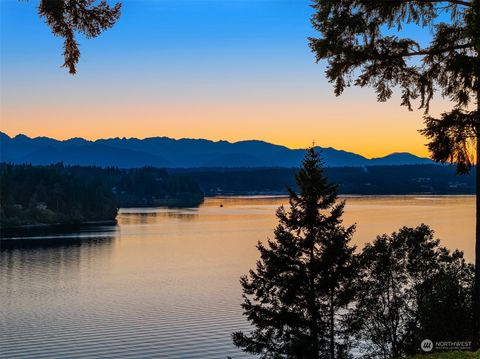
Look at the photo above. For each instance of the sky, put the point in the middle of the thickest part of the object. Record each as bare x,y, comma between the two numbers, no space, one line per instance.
216,69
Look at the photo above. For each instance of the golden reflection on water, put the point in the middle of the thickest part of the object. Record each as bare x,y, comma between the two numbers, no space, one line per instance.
253,218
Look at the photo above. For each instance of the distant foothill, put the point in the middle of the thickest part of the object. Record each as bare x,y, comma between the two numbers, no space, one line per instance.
182,153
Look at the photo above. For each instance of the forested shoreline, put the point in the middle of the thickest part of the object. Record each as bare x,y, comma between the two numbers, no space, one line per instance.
63,195
58,194
369,180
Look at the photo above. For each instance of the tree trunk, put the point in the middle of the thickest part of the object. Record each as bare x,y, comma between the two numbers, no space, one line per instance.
314,330
314,311
476,290
332,326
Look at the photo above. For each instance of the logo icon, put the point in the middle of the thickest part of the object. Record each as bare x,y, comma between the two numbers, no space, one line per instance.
426,345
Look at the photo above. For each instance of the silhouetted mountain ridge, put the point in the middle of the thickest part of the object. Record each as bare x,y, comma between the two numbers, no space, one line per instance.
181,153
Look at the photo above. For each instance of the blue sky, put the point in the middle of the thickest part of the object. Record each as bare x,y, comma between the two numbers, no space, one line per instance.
220,69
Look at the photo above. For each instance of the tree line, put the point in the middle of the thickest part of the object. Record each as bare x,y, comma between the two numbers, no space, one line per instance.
312,295
145,187
68,195
370,180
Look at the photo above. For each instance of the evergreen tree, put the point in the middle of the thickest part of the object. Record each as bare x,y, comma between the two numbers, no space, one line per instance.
358,39
304,275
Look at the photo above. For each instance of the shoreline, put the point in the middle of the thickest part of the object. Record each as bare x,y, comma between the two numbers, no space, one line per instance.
352,195
27,230
8,233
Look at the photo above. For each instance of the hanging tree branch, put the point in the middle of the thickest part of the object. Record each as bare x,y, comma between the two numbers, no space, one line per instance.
427,52
67,17
456,2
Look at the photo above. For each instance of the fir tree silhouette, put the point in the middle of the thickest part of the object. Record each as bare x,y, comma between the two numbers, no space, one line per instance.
304,275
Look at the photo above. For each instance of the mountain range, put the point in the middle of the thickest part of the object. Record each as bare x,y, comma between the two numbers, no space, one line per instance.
182,153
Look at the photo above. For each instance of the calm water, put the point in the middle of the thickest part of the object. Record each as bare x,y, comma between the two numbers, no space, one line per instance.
164,282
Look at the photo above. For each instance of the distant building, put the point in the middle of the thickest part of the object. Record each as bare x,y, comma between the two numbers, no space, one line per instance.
457,184
41,206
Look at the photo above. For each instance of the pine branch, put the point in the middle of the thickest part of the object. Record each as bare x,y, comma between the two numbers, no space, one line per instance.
438,51
456,2
459,2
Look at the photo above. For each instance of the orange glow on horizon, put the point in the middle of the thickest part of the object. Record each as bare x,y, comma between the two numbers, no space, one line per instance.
369,128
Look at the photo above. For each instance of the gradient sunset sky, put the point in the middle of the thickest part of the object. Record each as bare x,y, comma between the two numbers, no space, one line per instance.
215,69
